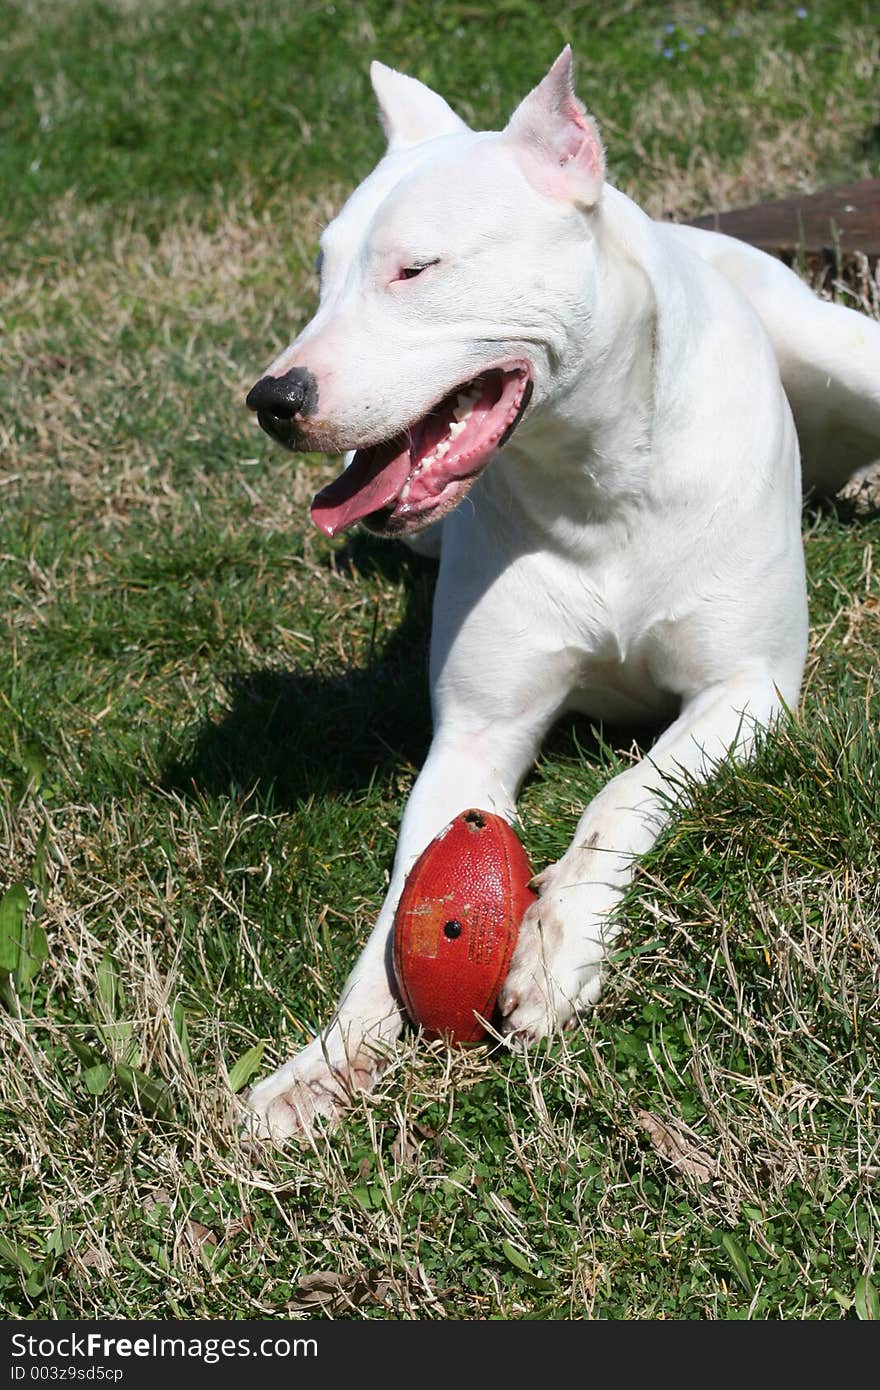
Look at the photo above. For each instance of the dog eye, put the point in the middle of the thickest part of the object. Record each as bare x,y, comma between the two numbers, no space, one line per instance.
409,272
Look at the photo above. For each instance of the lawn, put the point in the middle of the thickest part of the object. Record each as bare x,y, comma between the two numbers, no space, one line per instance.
210,717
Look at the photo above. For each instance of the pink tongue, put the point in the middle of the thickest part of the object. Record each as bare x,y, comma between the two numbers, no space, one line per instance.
366,486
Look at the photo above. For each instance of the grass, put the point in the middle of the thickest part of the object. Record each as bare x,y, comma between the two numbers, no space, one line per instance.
210,716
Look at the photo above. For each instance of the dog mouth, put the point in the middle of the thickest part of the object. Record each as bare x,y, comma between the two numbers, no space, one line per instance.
412,480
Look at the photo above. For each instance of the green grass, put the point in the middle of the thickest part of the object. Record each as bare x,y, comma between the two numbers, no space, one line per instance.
210,718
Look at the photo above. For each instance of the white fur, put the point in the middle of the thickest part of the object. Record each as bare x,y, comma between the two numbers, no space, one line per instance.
634,552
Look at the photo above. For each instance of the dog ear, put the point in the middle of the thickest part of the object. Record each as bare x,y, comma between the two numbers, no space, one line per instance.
562,153
409,111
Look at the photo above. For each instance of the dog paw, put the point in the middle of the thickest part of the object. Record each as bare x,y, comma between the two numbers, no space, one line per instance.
556,971
312,1090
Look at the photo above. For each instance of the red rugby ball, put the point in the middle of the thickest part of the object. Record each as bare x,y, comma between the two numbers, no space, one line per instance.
457,922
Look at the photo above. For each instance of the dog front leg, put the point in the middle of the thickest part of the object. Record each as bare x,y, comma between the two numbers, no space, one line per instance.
463,769
567,933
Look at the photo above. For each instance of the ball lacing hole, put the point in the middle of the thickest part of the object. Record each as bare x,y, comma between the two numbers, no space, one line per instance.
453,930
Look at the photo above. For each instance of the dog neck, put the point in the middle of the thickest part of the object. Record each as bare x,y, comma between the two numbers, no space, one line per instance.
592,436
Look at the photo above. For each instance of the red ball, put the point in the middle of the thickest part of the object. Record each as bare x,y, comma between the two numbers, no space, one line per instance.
457,922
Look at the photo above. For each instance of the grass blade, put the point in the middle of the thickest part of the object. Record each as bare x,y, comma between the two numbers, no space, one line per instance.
108,984
96,1079
12,1254
739,1263
151,1095
34,951
867,1303
13,908
246,1066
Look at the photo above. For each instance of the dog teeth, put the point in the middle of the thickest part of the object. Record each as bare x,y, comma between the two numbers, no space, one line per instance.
464,404
463,407
439,451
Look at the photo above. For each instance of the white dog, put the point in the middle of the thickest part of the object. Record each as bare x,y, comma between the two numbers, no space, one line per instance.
633,553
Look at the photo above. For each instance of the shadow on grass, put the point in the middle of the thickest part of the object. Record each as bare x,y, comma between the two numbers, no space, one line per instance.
289,735
858,503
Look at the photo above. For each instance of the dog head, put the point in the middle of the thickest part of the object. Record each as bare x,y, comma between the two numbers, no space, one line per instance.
454,288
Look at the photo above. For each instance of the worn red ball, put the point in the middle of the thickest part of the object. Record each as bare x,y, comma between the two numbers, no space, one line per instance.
457,923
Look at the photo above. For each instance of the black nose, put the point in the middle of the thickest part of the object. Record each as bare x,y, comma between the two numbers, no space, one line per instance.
280,400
